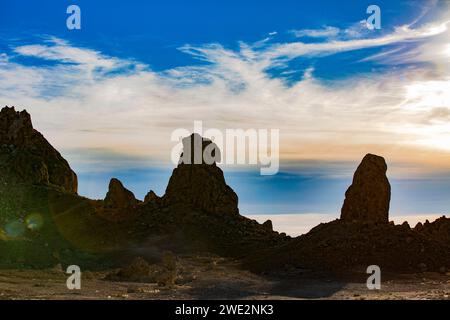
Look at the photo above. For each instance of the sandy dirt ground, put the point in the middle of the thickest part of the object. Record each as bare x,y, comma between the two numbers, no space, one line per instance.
217,278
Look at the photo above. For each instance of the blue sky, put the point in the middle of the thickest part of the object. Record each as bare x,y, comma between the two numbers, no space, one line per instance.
151,31
109,95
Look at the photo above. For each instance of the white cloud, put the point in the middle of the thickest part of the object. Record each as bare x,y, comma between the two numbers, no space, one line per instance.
356,30
3,58
400,35
62,51
325,32
78,102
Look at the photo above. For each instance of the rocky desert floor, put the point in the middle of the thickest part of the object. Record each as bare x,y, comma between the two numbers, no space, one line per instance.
218,278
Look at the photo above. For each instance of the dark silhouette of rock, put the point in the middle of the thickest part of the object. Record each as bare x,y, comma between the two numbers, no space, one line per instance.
347,247
199,150
201,186
268,225
418,227
118,197
27,156
406,225
198,213
368,198
151,197
438,230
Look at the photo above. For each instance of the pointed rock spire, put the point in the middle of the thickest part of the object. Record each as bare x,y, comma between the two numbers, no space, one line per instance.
118,196
198,182
368,198
151,196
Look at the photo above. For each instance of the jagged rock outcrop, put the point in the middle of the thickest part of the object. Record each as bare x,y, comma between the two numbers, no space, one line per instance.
27,156
368,198
201,186
152,197
118,197
346,247
268,225
199,212
438,230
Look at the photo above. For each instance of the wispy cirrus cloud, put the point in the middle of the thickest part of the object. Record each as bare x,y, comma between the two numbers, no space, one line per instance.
325,32
87,99
354,31
400,35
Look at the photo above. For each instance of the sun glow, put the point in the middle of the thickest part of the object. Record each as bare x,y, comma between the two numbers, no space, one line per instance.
425,95
447,50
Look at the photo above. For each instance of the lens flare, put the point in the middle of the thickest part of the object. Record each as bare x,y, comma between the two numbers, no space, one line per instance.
15,229
34,221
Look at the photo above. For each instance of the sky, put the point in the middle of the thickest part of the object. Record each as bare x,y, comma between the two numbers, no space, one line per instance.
108,96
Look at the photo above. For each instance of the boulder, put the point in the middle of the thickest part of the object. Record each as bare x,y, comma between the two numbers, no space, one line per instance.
368,198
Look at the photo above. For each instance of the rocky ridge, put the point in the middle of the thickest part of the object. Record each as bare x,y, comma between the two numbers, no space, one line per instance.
199,211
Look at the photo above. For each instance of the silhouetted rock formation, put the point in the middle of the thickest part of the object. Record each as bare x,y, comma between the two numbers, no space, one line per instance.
152,197
118,197
346,247
201,186
367,199
268,225
438,230
199,212
27,156
199,150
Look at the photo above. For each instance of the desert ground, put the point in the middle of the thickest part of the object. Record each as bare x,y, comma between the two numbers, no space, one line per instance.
212,277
